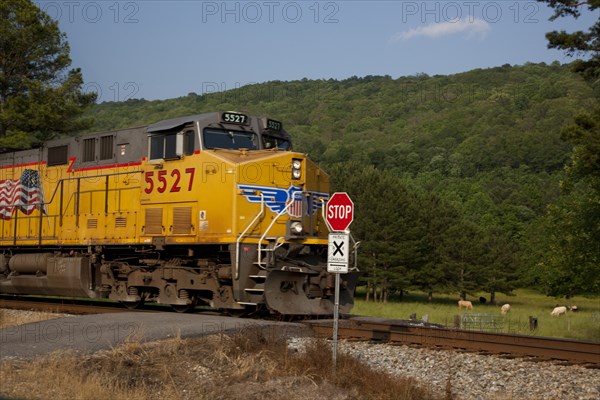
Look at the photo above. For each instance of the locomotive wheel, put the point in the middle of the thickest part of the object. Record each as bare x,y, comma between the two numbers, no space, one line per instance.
132,305
237,313
182,308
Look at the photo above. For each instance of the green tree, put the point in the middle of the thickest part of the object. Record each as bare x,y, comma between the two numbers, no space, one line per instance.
39,97
571,262
385,223
579,42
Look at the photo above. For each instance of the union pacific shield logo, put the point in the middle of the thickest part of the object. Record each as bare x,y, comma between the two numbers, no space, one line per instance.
276,199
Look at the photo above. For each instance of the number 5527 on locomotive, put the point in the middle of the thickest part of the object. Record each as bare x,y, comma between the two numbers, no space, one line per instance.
211,209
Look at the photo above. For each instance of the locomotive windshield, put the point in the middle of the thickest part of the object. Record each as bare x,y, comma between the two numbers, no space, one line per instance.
227,139
272,142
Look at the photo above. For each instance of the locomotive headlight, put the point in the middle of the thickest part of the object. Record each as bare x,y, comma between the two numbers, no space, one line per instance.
296,228
296,168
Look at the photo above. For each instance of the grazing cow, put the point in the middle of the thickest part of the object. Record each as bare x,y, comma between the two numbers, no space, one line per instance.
482,300
505,309
573,308
465,304
558,311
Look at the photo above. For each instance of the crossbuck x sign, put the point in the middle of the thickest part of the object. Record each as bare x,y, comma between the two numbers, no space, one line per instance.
338,253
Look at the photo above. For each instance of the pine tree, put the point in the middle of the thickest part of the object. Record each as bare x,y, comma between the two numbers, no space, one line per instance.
579,42
39,97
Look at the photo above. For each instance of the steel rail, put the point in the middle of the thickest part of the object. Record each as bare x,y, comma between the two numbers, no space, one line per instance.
67,307
402,332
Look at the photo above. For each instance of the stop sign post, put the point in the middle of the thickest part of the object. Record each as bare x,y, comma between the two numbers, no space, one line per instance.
340,211
339,215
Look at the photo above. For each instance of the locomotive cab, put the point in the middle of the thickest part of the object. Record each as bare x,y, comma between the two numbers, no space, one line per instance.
210,209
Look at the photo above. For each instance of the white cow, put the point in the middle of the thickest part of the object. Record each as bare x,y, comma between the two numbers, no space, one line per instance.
558,311
465,304
505,309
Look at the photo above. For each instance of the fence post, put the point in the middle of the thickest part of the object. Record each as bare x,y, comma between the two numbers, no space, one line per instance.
533,323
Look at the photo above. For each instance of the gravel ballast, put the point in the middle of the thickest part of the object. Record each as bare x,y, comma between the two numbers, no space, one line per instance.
477,377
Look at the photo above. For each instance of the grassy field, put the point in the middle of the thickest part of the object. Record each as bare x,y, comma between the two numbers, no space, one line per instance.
582,325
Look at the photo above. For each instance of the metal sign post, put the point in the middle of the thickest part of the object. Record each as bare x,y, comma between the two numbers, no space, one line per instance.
336,318
339,215
337,263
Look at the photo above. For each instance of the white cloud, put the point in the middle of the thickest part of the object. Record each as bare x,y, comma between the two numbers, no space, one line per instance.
473,28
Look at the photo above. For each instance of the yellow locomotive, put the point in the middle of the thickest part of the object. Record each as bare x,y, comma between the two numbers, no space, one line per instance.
210,209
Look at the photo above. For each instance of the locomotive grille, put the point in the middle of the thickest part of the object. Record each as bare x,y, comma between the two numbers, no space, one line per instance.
89,150
120,222
92,223
182,220
153,221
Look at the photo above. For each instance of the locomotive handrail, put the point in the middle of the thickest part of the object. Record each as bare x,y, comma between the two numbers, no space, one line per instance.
72,179
259,261
59,184
239,239
355,250
61,180
78,179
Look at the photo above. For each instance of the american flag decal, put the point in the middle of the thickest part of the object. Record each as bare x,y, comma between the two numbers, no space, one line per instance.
295,209
25,194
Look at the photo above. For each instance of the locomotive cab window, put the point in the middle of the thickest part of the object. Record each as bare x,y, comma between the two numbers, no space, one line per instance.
227,139
171,145
272,142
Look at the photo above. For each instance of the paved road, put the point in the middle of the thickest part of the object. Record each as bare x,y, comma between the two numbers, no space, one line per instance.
90,333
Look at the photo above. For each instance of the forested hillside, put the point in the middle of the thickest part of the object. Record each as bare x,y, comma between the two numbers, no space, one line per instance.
452,176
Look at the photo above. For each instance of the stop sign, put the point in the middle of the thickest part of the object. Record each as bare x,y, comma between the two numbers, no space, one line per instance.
340,211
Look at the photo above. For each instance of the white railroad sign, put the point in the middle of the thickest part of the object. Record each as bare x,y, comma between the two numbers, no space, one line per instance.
338,253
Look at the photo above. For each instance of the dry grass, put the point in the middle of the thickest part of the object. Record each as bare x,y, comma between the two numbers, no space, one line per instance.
14,318
251,365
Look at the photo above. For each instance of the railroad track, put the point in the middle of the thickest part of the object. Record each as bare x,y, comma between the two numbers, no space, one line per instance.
402,332
77,307
379,330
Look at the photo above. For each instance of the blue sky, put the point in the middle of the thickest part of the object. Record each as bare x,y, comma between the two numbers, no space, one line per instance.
164,49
